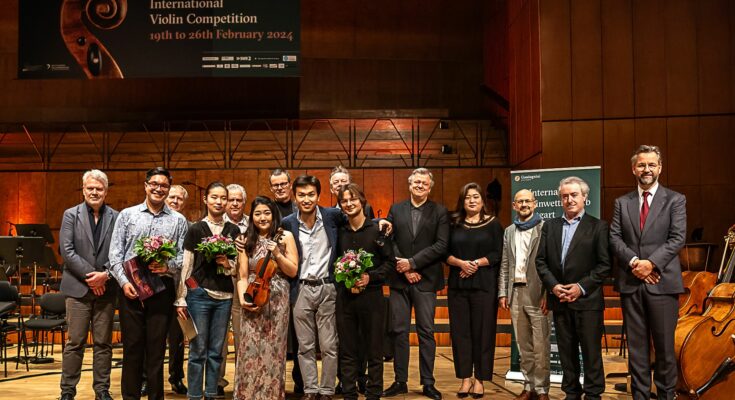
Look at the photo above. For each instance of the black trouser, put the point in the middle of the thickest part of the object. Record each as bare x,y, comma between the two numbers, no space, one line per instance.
360,324
424,305
651,318
175,352
472,325
574,329
144,330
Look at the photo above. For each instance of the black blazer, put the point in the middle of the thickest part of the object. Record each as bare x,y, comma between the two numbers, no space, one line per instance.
427,247
587,262
332,219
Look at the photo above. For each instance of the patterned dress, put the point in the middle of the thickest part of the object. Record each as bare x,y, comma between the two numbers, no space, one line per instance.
261,356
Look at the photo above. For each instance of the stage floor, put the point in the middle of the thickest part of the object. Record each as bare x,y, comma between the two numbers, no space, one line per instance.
42,382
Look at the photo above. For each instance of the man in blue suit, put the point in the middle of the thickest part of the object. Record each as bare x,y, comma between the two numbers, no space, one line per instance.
313,293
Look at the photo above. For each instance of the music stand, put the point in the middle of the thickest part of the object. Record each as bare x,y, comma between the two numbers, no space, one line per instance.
35,230
22,251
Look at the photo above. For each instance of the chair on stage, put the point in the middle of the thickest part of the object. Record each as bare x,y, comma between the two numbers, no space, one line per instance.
9,304
51,320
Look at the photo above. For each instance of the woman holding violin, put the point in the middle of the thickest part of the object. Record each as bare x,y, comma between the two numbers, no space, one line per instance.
205,293
261,355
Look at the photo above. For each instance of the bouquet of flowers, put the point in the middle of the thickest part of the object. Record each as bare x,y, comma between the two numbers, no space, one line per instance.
148,249
155,248
215,245
350,267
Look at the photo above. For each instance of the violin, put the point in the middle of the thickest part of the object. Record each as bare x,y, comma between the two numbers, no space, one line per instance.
705,344
259,290
91,55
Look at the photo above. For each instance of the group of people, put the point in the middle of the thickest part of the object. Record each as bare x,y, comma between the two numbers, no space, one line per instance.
531,267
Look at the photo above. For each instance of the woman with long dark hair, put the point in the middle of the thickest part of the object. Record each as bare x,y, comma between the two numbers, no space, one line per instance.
475,250
261,355
205,293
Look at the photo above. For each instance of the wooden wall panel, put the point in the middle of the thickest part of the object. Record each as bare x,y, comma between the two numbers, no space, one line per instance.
400,184
649,57
325,199
557,144
586,59
714,56
683,151
681,57
609,194
127,189
617,58
8,200
32,202
618,145
716,197
587,143
64,191
247,178
556,79
378,186
716,149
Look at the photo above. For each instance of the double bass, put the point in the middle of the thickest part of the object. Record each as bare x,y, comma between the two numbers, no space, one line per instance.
705,344
259,290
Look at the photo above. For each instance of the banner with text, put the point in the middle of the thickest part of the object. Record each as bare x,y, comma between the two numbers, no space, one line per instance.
158,38
544,183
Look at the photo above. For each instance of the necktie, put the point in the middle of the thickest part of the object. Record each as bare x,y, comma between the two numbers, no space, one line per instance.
644,209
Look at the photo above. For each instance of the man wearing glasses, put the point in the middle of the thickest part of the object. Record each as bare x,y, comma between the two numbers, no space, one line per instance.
144,321
520,290
280,183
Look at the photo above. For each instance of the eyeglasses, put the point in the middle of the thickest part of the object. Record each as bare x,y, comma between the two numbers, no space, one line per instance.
650,166
524,201
279,185
156,185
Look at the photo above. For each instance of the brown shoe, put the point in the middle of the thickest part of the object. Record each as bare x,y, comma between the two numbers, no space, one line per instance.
543,396
526,395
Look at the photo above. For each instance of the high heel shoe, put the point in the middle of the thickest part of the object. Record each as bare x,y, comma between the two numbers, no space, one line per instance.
476,395
462,395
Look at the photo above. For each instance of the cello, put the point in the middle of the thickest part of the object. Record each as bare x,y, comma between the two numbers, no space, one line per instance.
259,290
705,344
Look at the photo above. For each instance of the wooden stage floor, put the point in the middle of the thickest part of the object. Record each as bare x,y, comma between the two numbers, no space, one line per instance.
42,382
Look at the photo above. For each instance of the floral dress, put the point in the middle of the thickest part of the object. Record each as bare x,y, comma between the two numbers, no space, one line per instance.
261,355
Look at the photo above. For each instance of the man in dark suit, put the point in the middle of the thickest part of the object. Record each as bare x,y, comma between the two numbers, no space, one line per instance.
313,292
647,231
421,234
90,295
572,262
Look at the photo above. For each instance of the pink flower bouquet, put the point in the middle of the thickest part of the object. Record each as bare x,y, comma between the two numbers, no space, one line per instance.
350,267
215,245
155,248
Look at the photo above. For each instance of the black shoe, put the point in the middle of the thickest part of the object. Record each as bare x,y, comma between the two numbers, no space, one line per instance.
338,388
144,389
103,395
178,387
431,392
66,396
361,385
298,389
395,389
220,392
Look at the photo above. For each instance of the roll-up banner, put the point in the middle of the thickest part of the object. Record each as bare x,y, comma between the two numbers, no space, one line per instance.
544,183
158,38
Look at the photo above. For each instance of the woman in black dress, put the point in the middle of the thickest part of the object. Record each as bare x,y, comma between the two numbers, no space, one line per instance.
475,250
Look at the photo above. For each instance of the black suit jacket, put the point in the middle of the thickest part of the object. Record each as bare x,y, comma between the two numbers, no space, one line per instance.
587,262
427,246
332,218
663,236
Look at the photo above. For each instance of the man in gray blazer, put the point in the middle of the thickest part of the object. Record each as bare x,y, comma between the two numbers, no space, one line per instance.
521,290
85,242
647,231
